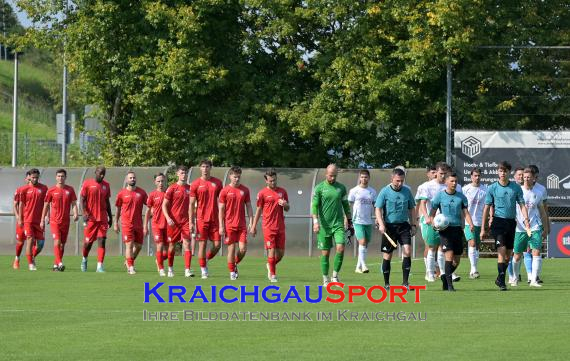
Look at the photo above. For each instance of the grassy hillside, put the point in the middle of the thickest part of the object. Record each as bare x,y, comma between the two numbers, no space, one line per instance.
36,117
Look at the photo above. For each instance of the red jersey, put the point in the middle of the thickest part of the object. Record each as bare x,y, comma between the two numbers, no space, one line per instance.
179,198
32,199
235,199
60,200
96,195
206,193
131,203
154,202
19,192
267,199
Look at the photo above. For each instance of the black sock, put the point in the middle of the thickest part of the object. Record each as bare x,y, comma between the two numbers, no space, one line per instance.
448,272
386,267
502,267
406,266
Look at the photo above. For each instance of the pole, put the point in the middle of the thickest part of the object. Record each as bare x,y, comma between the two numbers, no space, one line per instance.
448,118
64,114
64,96
15,114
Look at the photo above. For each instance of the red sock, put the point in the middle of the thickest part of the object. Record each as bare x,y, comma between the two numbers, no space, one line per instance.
202,262
57,255
187,258
19,247
278,259
30,258
130,262
171,258
100,254
271,261
35,249
85,252
159,260
209,255
62,250
232,266
164,255
237,259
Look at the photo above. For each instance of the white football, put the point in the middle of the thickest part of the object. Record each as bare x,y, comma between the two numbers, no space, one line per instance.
440,222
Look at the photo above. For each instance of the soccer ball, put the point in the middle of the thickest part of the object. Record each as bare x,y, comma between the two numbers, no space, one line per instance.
440,222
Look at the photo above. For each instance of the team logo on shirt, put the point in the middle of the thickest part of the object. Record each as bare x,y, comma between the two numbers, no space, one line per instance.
66,193
213,184
138,195
104,188
280,194
157,237
241,192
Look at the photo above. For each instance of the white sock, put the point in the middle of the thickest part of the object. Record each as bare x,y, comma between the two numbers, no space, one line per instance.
335,274
203,269
536,261
441,262
516,265
99,264
425,262
85,258
430,262
471,252
361,255
539,268
476,258
364,255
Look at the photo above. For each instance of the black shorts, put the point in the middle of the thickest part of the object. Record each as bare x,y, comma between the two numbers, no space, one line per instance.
503,231
399,232
452,240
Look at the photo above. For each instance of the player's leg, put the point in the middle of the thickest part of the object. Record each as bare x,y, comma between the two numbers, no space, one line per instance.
90,234
137,246
231,258
520,246
271,271
404,238
535,242
160,246
387,250
216,241
528,264
186,244
129,255
339,256
202,239
324,243
360,233
20,242
101,242
29,245
171,253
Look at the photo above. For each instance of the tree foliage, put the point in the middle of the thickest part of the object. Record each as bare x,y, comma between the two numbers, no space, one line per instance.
296,83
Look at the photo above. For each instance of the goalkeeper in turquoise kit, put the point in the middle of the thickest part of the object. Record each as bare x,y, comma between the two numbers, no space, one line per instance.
331,216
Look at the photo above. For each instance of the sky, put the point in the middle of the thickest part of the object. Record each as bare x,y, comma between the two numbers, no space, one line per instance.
21,15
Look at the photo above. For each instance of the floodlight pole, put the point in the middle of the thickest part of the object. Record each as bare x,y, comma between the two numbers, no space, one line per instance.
64,101
448,117
15,113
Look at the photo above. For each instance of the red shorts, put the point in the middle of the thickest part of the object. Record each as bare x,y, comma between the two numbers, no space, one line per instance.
95,230
20,234
131,234
178,232
33,230
159,235
237,235
274,239
59,231
207,231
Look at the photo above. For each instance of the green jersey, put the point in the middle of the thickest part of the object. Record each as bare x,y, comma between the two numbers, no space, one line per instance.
330,204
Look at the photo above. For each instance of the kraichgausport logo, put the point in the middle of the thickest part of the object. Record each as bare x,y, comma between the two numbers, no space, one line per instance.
335,292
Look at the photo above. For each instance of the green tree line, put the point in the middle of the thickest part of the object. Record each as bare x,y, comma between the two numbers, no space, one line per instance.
300,83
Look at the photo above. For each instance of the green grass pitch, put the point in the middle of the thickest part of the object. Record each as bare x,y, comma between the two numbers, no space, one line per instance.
88,316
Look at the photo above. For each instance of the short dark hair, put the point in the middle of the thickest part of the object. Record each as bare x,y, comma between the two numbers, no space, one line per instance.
182,167
235,169
270,173
519,168
529,169
101,168
158,175
398,172
450,174
61,170
364,171
475,170
504,165
534,168
430,168
442,165
206,162
34,171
